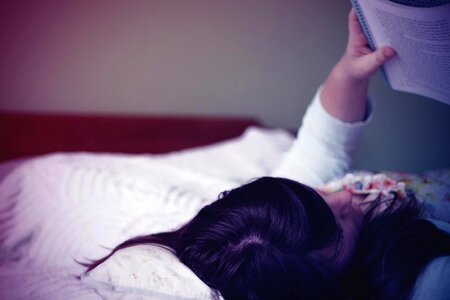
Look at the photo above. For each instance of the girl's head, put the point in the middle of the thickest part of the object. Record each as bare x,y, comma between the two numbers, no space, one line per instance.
272,238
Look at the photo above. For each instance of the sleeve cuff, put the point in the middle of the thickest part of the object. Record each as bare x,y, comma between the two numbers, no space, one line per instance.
345,133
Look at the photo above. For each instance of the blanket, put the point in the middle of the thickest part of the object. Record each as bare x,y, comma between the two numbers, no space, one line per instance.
61,209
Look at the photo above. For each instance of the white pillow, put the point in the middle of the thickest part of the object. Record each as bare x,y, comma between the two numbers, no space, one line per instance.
147,272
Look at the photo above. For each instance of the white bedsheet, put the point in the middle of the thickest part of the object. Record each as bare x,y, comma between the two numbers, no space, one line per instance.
62,208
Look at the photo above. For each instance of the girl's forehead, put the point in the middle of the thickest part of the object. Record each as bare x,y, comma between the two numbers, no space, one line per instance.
321,192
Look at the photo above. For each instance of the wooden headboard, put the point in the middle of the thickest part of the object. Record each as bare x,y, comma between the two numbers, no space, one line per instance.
28,134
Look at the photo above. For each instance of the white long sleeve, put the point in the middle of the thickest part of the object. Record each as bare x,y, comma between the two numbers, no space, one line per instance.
324,147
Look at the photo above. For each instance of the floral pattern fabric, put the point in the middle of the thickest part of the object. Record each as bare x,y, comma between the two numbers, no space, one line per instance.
432,188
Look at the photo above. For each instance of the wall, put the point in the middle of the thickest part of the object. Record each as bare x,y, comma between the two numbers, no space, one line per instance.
200,57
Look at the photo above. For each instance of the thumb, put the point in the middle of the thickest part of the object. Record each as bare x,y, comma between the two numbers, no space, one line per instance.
371,62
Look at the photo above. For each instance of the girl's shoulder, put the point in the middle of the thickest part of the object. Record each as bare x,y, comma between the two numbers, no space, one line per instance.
434,281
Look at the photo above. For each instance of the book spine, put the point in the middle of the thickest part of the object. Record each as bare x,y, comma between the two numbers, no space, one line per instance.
369,38
363,23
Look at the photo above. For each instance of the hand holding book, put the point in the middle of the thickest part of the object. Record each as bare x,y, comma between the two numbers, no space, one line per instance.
421,38
360,61
344,92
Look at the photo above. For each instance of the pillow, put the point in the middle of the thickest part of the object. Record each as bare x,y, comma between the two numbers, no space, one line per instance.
147,272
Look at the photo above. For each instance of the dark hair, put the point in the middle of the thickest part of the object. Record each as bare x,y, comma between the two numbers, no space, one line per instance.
257,242
393,249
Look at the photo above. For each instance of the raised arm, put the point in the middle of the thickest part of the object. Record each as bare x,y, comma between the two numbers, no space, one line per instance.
344,92
335,120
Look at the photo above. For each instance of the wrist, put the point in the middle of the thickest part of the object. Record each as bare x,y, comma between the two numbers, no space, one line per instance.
345,73
344,95
348,83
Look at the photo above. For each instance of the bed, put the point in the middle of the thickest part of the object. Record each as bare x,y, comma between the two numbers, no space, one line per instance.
74,186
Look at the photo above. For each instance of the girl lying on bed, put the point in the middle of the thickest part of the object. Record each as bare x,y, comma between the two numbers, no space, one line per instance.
279,238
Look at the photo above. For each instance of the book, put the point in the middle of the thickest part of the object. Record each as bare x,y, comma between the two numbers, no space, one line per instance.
421,38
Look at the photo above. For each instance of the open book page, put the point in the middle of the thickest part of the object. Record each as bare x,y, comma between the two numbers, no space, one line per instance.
421,37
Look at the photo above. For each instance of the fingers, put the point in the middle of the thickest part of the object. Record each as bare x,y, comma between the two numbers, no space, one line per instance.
371,62
383,54
361,61
355,32
353,23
